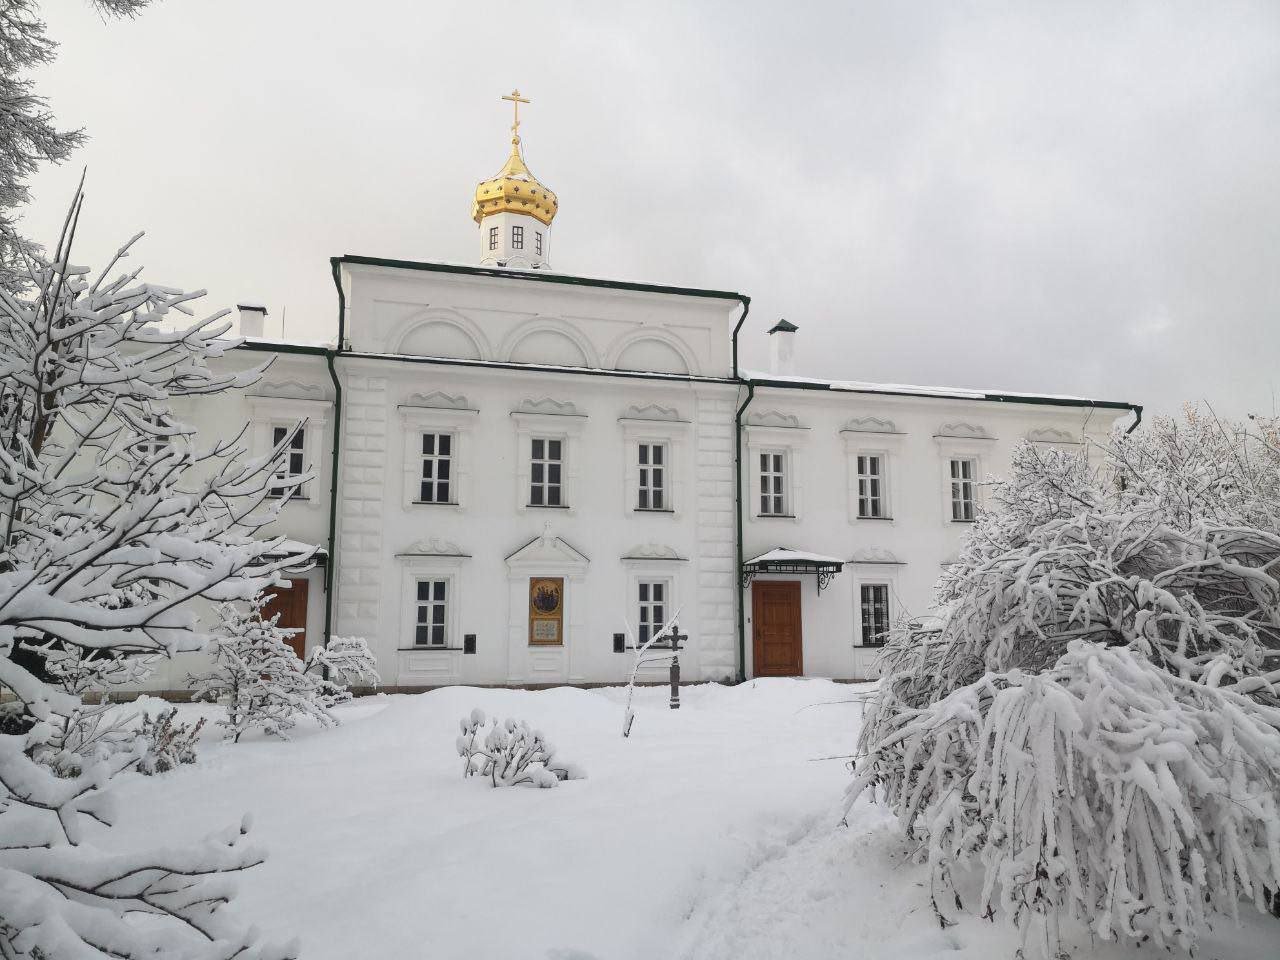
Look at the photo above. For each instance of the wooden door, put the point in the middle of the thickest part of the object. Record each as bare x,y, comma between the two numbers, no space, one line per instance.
291,604
775,623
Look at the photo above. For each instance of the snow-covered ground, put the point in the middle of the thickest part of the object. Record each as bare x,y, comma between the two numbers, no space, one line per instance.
711,833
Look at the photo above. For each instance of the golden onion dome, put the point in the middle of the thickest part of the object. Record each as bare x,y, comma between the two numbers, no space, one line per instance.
514,190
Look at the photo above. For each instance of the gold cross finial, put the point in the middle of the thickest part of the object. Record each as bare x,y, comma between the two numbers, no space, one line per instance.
516,100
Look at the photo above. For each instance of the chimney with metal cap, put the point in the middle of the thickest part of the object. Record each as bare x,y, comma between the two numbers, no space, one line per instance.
253,318
782,349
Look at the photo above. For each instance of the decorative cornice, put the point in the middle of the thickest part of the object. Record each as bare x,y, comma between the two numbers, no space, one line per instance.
869,425
438,400
961,430
651,411
433,547
874,555
289,390
773,418
652,551
548,407
1052,435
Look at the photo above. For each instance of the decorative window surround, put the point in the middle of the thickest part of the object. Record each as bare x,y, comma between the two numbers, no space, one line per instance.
788,439
672,434
565,427
649,563
874,567
872,437
267,413
430,560
1053,437
457,422
978,447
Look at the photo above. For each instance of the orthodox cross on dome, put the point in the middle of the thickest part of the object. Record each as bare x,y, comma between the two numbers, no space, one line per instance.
516,100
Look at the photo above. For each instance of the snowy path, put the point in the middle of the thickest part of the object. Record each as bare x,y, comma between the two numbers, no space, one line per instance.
709,834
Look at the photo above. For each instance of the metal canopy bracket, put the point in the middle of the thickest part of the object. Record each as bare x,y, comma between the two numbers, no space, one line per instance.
823,571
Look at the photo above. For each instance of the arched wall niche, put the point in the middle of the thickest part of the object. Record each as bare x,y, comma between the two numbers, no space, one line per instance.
551,341
652,351
443,333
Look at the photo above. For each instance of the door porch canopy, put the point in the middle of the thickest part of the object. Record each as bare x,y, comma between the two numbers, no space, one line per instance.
784,560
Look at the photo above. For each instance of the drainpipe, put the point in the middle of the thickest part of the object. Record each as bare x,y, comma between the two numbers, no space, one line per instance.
330,357
737,500
1137,420
746,308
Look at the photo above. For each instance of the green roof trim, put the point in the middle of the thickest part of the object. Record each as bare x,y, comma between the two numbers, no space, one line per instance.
537,276
937,395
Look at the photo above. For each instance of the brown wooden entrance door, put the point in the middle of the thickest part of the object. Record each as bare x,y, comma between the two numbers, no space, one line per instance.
291,604
775,622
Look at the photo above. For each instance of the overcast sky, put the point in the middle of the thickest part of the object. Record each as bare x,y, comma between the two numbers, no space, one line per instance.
1066,198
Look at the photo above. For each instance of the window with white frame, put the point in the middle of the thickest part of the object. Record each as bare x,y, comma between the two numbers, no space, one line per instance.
874,599
963,488
773,483
436,485
546,472
871,486
653,597
293,464
652,463
432,607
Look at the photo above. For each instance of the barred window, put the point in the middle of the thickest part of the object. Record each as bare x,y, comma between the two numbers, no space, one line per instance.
875,614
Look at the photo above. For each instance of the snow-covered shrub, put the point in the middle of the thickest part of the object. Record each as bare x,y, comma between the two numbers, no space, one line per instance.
258,677
167,742
101,489
1105,790
1097,683
510,754
344,662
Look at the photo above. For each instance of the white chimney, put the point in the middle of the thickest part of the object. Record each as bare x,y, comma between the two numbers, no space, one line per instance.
253,318
782,345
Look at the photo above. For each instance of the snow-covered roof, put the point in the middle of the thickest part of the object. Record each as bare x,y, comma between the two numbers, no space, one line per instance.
909,389
783,555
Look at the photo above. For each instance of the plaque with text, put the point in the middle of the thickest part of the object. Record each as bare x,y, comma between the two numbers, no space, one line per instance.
546,611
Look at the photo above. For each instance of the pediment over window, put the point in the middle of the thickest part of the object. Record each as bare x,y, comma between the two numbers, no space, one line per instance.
870,425
652,551
874,555
1052,435
652,411
549,407
774,418
548,554
961,430
438,400
433,547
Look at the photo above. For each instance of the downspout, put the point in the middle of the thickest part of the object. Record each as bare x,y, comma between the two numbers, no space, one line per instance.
1137,420
746,308
330,357
737,499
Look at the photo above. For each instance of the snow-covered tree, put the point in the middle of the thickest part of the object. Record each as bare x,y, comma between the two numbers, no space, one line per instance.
258,677
511,754
344,662
1094,719
102,489
28,135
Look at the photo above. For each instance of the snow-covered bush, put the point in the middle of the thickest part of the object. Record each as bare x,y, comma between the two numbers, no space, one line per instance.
258,677
510,754
1105,790
167,742
101,489
1093,721
344,662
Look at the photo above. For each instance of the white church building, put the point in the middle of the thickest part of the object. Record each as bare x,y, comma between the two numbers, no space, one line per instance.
519,471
